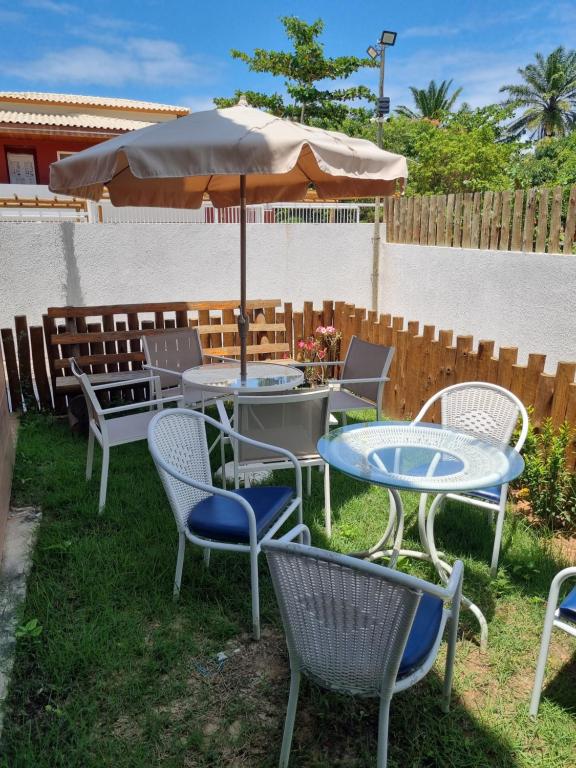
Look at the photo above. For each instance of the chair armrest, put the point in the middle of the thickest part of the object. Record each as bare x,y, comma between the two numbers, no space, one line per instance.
143,404
296,531
161,370
454,584
220,357
326,363
380,379
128,382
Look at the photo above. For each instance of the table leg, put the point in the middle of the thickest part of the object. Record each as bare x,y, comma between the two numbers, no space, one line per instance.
444,569
395,526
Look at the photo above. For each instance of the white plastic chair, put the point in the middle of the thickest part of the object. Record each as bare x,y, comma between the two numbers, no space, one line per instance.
489,412
293,420
110,432
214,518
359,628
563,617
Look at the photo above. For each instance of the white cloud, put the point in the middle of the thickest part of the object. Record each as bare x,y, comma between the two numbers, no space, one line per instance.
62,9
134,61
440,30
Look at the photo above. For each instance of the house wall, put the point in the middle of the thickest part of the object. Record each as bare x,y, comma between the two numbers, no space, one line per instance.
46,150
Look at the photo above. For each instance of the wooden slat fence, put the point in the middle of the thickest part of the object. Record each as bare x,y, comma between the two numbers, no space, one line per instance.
533,220
426,360
7,450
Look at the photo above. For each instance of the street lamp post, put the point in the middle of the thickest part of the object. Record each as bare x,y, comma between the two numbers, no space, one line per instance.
387,38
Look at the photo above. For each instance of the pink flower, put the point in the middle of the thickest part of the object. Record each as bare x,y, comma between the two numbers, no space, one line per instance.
321,329
321,353
301,344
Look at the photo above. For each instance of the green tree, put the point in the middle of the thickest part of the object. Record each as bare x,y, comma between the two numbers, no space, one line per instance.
304,68
465,154
552,162
547,97
433,103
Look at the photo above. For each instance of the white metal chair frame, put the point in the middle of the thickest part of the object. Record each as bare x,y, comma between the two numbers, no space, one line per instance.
350,641
184,490
306,461
552,619
487,411
98,424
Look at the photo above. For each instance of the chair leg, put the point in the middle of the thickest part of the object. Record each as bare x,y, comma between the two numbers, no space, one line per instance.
327,502
290,718
179,565
308,481
255,593
223,460
344,418
207,558
104,478
543,655
90,454
383,716
498,533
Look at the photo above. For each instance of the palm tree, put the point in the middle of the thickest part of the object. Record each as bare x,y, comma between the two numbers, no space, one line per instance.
547,96
432,103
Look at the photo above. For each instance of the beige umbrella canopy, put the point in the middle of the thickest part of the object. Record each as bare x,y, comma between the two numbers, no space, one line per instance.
236,156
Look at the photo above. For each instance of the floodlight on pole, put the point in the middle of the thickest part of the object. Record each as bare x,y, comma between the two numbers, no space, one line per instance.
387,39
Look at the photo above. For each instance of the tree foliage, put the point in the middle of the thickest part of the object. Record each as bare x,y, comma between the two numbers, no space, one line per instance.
547,97
304,68
432,103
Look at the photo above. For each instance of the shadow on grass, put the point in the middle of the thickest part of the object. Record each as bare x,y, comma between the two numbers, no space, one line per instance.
336,730
562,687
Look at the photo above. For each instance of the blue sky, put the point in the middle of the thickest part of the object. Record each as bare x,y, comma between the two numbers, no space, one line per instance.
177,52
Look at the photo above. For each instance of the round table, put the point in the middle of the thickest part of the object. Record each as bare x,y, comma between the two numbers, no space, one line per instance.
425,458
225,379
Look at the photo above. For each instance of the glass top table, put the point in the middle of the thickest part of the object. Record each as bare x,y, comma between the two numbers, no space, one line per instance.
421,457
425,458
224,378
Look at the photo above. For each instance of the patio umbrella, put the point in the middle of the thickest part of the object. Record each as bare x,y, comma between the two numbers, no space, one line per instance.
236,156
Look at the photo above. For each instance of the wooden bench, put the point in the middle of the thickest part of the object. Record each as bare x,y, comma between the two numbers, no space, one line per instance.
105,340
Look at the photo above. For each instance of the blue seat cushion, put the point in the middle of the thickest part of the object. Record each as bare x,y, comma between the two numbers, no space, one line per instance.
422,635
224,519
567,607
448,467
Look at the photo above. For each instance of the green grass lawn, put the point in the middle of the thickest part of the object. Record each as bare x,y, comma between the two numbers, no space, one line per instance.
122,676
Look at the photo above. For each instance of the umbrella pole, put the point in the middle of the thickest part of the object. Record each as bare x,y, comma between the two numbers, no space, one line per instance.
243,319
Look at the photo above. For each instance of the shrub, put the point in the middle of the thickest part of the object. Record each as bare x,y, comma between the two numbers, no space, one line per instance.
546,483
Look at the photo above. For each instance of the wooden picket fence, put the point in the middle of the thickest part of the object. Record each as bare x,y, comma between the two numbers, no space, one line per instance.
7,449
426,359
533,220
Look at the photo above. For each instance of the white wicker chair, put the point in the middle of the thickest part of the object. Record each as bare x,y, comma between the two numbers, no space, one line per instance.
214,518
491,413
359,628
293,420
122,429
563,617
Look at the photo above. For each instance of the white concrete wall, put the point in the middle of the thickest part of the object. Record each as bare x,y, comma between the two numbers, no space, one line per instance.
526,300
45,264
520,299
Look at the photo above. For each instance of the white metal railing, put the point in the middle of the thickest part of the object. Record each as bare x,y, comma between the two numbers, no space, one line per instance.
36,203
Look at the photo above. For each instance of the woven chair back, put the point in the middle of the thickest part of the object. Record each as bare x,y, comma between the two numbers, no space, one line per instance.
345,628
179,439
481,411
